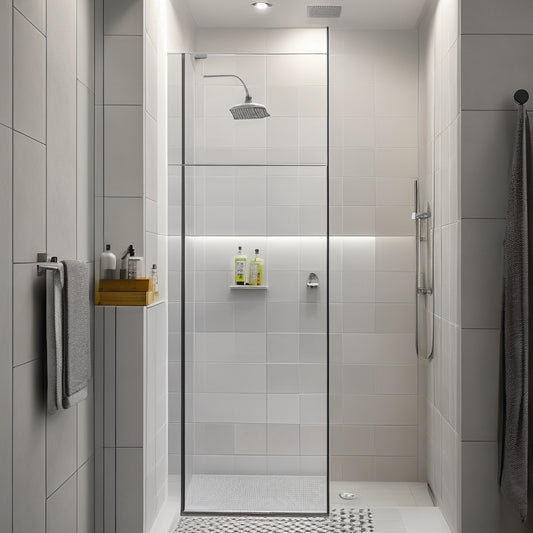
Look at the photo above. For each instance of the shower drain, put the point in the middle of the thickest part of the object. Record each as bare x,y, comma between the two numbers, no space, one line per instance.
339,521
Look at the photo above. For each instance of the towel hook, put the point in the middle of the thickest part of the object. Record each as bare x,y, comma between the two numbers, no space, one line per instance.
521,96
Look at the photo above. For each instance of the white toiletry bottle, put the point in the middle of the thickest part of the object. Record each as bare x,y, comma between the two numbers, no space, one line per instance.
108,263
155,278
240,267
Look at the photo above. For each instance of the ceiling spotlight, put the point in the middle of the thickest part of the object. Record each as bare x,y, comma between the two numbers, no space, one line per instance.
261,5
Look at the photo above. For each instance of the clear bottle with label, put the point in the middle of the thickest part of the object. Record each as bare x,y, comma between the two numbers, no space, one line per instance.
135,265
155,278
240,267
256,270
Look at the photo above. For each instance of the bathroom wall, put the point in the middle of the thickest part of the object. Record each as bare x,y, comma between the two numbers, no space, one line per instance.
496,52
47,165
374,161
439,171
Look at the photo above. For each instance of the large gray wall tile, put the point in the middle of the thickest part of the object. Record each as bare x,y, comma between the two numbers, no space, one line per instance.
34,11
86,427
494,16
29,490
29,79
85,175
6,339
85,14
481,277
129,381
6,59
123,17
61,129
483,507
123,70
124,224
29,198
483,55
28,314
486,164
123,151
86,494
61,508
129,490
61,448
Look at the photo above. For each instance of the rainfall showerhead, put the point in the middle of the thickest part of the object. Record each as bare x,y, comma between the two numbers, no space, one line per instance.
247,111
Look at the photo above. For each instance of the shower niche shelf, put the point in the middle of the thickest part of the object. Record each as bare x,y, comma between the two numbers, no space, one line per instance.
248,287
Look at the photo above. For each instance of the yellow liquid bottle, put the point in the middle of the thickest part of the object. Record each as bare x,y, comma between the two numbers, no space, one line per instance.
240,267
259,266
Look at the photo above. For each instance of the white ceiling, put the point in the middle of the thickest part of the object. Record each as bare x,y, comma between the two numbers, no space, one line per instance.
357,14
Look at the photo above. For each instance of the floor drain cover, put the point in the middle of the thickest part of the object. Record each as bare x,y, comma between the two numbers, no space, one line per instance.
347,496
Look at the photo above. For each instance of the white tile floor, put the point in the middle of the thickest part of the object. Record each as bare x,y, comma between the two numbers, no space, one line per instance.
396,507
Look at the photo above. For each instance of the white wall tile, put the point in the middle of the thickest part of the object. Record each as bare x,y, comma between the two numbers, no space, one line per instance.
129,382
283,408
129,490
29,467
85,41
123,153
85,175
61,448
124,224
61,508
28,310
123,70
6,60
29,198
34,11
86,497
29,78
123,17
250,439
61,133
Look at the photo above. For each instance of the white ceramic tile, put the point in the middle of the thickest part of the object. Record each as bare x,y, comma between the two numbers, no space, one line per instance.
396,469
394,220
495,18
282,347
123,70
214,439
282,378
86,498
395,287
358,162
123,17
34,11
61,448
395,318
123,224
85,175
358,317
123,160
237,408
250,439
312,348
86,428
28,329
396,163
6,61
61,508
282,132
396,379
396,441
282,317
283,408
283,439
396,132
358,191
29,79
230,378
395,254
85,38
150,157
380,410
129,490
359,220
394,191
29,467
29,196
129,381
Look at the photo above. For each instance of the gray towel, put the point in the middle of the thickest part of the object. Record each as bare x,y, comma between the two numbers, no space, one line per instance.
76,333
54,336
515,330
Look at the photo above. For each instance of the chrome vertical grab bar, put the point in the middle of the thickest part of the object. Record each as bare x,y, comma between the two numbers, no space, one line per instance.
421,289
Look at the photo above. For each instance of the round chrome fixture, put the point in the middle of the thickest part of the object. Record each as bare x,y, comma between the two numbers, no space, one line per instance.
347,496
261,5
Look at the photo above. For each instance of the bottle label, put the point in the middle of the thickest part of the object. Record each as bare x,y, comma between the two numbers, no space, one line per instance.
239,270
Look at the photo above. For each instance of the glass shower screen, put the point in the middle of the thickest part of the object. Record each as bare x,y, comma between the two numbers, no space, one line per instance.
254,358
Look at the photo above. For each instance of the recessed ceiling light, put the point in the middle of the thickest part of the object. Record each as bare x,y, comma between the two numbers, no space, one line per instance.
261,5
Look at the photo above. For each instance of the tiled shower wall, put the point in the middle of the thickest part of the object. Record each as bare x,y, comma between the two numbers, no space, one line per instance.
47,168
374,161
439,164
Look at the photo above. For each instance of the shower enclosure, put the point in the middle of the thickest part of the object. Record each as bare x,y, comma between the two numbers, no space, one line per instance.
254,360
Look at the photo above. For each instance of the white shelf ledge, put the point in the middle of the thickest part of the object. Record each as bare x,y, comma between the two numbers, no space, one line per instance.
248,287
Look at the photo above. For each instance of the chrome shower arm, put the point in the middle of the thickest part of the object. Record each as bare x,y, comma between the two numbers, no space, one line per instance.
248,97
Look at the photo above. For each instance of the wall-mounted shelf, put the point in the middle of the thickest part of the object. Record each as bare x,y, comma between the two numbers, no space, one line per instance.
248,287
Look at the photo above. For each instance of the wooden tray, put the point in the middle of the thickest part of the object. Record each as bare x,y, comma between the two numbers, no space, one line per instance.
126,285
125,298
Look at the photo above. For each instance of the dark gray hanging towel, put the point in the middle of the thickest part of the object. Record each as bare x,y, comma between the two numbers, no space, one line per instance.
515,330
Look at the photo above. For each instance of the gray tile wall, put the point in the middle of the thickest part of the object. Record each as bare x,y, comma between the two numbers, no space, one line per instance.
46,160
496,38
439,179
